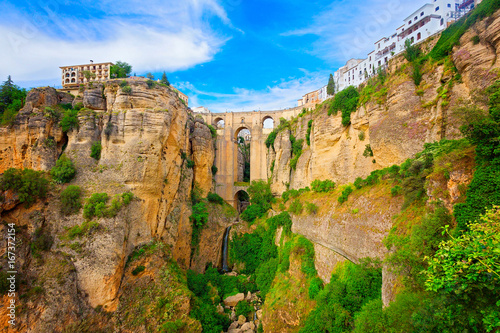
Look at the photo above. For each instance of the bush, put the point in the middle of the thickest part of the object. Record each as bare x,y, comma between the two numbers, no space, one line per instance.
358,183
71,201
396,190
190,164
368,151
28,184
95,152
215,198
95,206
214,170
69,120
243,308
322,186
361,136
475,40
345,195
311,208
253,212
151,84
296,207
265,274
198,218
345,101
64,171
213,131
42,241
138,270
127,90
308,134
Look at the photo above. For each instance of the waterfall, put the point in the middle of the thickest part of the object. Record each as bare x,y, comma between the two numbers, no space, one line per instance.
225,267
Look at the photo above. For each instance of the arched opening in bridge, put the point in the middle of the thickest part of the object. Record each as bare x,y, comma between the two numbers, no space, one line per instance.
268,122
219,123
242,201
243,139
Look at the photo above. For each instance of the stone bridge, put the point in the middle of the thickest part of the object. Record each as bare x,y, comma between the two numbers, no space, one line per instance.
228,126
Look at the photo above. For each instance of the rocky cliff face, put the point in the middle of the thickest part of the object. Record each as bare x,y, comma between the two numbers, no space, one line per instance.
396,125
147,137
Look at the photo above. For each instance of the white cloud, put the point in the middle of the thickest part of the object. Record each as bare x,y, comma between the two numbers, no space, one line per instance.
156,36
348,29
277,97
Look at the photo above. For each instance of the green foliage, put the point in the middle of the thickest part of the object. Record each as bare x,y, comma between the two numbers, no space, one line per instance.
396,190
412,52
296,151
69,120
28,184
265,274
12,100
345,101
151,84
315,287
322,186
95,151
475,40
350,288
120,70
80,230
42,241
468,268
127,90
95,205
164,79
215,198
214,170
138,270
243,308
253,212
345,194
71,200
451,36
361,136
368,151
330,89
190,164
308,134
64,170
296,207
416,74
272,136
311,208
4,283
293,193
198,218
260,194
213,131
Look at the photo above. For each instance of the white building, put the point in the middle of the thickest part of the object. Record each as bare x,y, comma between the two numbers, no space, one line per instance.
428,20
201,109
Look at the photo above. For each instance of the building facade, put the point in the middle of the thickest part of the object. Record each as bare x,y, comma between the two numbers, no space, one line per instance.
428,20
73,76
182,96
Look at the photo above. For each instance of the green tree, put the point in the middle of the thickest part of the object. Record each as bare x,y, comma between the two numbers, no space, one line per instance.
71,200
164,79
11,100
89,75
150,76
64,170
120,70
330,89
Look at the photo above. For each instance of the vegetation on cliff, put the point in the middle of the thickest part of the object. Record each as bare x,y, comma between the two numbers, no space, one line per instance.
12,100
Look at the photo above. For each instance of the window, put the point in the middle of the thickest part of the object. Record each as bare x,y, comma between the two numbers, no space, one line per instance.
416,18
409,23
442,21
449,5
419,35
422,14
437,8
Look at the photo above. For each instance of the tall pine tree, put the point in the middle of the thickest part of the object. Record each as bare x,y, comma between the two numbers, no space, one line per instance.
330,89
164,79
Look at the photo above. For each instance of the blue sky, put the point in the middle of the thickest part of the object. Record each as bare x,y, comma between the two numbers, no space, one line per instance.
225,54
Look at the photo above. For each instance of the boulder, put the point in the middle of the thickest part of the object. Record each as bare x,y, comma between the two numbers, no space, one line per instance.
259,314
233,300
241,320
249,296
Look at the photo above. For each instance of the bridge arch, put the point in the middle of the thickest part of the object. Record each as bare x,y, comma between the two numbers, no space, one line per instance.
241,200
268,122
219,123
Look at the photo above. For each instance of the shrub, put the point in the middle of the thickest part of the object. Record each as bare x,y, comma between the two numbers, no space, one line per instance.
198,218
95,151
271,138
28,184
95,206
361,136
138,270
265,274
345,101
243,308
151,84
345,194
358,183
79,231
214,170
368,151
127,90
308,134
190,164
42,241
396,190
64,171
315,287
311,208
69,120
322,186
213,131
215,198
253,212
475,40
296,207
412,52
109,129
71,201
296,151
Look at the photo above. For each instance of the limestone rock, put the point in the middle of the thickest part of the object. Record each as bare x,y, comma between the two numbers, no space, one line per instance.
94,98
249,296
241,320
259,314
233,300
